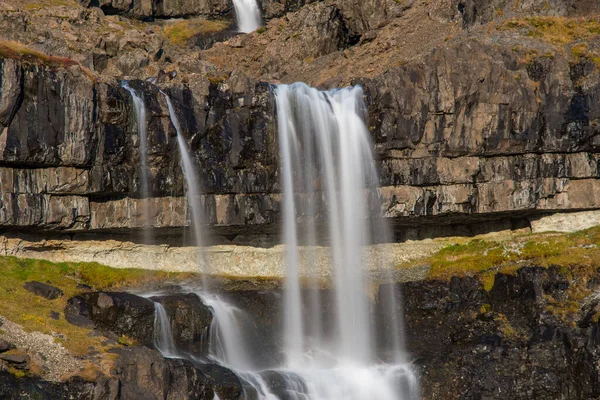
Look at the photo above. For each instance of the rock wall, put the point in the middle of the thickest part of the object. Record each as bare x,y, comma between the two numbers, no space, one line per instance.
452,144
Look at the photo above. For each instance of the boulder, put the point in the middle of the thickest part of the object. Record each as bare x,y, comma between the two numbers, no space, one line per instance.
18,359
190,322
144,373
43,289
120,313
5,346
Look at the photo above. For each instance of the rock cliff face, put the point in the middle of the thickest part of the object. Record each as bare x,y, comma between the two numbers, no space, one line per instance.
486,116
526,338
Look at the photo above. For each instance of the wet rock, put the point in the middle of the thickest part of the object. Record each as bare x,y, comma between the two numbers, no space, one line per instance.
190,322
120,313
144,373
44,290
225,383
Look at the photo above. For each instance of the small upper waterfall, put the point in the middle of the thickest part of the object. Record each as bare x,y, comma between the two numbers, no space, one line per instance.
163,336
248,15
142,129
191,179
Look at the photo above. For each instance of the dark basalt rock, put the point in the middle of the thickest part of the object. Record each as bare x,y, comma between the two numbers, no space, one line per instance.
43,289
190,321
144,374
225,383
120,313
13,388
508,343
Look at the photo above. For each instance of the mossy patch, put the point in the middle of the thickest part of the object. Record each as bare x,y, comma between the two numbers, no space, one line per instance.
485,258
19,51
181,32
557,30
33,312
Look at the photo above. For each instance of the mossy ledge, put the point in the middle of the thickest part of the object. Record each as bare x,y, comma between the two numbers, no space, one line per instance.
573,253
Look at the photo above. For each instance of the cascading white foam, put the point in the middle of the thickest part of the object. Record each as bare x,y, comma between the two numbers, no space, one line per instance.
142,130
247,15
328,173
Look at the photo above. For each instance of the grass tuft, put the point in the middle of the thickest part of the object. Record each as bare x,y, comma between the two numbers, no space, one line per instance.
19,51
181,32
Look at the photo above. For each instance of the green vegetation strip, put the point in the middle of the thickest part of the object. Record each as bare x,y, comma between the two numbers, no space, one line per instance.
33,312
485,258
181,32
19,51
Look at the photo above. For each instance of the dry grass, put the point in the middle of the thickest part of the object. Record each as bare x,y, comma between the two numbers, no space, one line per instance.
181,32
557,30
39,4
571,34
23,53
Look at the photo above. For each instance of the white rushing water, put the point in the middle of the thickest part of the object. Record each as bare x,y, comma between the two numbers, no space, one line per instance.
142,130
191,179
331,348
247,15
163,336
330,351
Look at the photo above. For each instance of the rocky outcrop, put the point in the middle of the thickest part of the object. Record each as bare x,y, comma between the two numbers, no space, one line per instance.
42,289
138,373
534,335
190,322
144,373
112,312
161,8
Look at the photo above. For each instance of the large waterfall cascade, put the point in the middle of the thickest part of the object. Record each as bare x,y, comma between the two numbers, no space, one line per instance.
247,15
331,348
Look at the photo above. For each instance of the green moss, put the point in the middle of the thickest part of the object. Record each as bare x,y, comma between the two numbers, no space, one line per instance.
33,312
261,30
181,32
575,252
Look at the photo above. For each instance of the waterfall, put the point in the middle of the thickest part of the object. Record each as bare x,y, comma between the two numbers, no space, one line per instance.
163,336
328,172
247,14
191,179
140,113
